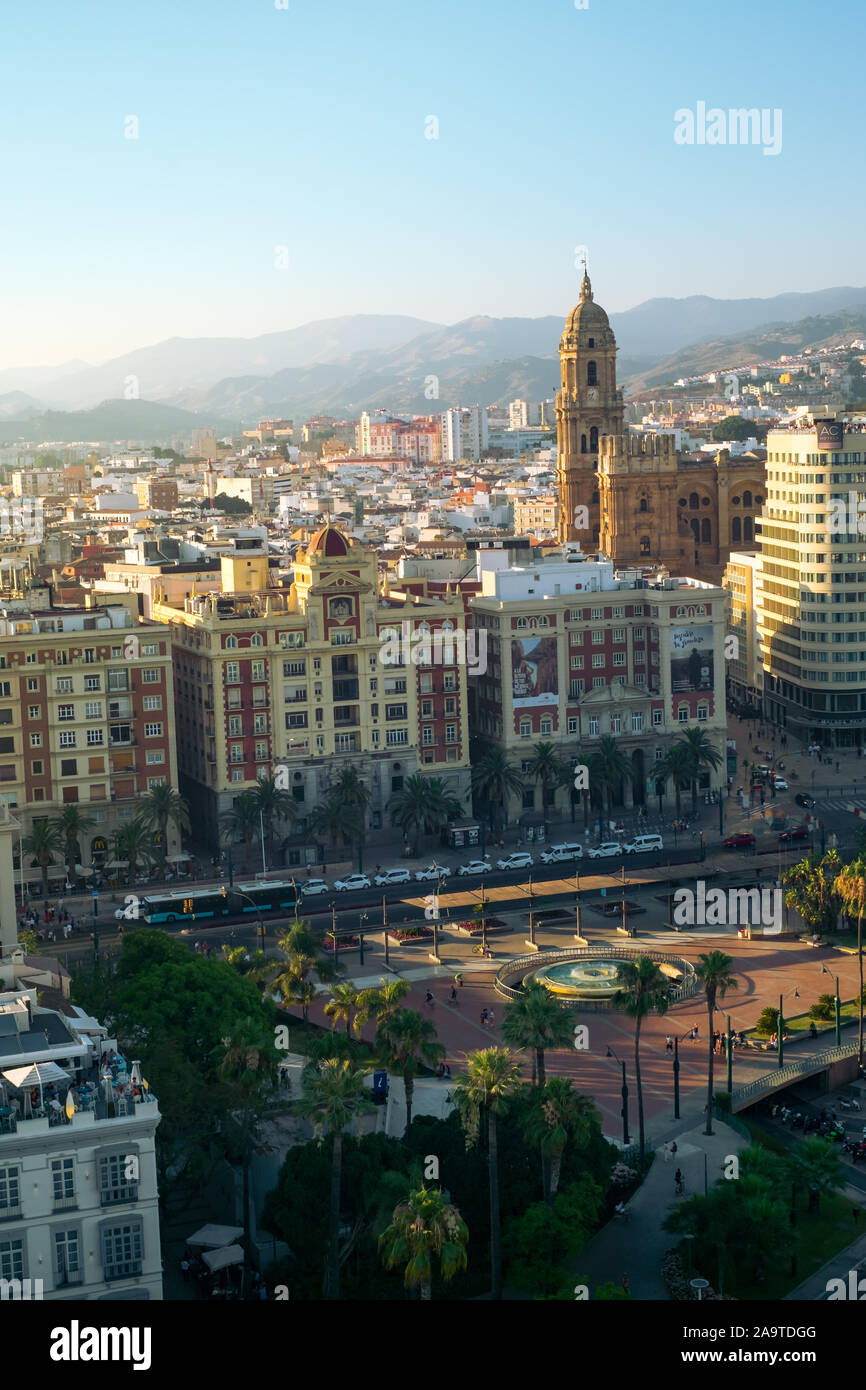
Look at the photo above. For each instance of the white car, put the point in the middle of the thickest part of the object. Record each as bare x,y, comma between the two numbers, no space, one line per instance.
392,876
313,886
559,854
516,861
608,849
348,885
432,871
641,843
780,784
475,866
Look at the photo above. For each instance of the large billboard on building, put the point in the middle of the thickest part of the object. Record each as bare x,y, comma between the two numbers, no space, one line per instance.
534,677
691,658
829,434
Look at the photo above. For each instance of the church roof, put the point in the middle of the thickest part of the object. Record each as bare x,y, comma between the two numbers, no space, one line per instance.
328,541
586,313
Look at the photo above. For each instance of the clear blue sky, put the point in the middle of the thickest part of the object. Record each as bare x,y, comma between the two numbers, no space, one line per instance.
304,127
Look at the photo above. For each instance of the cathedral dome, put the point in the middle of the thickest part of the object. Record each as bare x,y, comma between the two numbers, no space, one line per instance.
586,314
330,542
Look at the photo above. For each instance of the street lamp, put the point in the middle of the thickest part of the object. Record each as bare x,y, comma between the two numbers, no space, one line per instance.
577,935
531,918
676,1077
385,932
780,1027
361,920
624,1092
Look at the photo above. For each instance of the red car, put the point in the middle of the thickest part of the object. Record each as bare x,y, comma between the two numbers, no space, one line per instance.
742,840
798,832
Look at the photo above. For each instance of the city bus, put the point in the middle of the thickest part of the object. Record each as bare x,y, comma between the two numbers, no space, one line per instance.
189,904
266,895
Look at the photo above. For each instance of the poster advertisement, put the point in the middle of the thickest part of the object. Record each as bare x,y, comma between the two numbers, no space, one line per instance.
534,679
691,658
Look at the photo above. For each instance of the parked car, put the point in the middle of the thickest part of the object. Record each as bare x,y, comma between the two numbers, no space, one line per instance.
432,871
521,860
348,885
797,832
742,840
780,784
392,876
803,799
313,886
475,866
641,843
608,849
559,854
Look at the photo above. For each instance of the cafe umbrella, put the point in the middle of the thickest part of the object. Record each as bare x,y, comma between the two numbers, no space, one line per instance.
37,1074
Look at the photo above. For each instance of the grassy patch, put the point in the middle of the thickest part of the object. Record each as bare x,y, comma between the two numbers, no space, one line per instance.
821,1235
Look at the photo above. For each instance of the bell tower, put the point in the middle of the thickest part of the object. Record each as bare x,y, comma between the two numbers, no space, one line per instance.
588,406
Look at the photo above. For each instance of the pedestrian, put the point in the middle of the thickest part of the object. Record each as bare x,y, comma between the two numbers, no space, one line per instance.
459,979
428,999
184,1269
678,1181
453,994
674,1149
667,1153
625,1285
483,1018
491,1017
669,1043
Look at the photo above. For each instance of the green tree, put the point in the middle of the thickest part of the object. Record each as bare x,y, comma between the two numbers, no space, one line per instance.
42,845
484,1089
342,1004
495,781
405,1042
73,823
738,1227
703,756
537,1021
334,1096
353,797
160,807
378,1004
423,806
248,1070
713,972
274,806
609,768
559,1114
133,841
644,990
733,427
546,767
676,764
817,1168
241,823
810,887
231,506
424,1227
539,1241
850,888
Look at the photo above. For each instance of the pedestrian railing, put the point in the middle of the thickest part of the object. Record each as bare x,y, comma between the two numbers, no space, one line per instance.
520,964
792,1071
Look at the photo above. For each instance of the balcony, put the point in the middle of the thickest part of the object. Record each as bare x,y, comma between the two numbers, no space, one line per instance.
65,1204
346,689
127,1270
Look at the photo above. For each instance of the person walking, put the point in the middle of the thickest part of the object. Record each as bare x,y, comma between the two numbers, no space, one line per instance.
458,979
678,1182
669,1043
667,1152
453,995
428,999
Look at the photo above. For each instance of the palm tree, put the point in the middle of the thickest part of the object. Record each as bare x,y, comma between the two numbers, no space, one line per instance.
73,823
537,1021
353,798
712,972
609,768
248,1068
342,1004
42,844
404,1041
676,764
818,1168
703,756
328,819
644,990
421,1227
241,822
495,781
380,1003
561,1113
160,807
810,887
334,1094
484,1088
423,805
134,843
546,768
272,804
850,887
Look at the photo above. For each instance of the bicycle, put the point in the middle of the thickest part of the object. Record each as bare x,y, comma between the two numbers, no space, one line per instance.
482,951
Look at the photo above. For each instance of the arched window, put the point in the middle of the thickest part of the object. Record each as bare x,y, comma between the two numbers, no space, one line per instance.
593,440
256,639
705,529
747,498
591,342
644,545
696,529
748,529
643,505
693,501
231,642
583,443
591,374
736,530
759,501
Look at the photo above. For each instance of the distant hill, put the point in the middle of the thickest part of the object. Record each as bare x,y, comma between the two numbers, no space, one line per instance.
143,422
18,405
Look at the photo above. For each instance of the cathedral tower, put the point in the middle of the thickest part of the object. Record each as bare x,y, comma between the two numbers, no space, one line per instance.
587,407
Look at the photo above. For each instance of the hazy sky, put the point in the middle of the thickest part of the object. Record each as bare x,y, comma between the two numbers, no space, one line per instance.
304,128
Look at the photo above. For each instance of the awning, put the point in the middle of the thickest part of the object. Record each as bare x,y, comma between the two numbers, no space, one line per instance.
117,864
214,1236
221,1259
82,872
178,859
37,1074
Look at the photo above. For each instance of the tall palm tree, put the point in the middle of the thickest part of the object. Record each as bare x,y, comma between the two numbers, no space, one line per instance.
334,1095
424,1226
609,768
44,842
712,971
703,757
241,822
676,764
850,887
484,1088
380,1003
274,805
404,1041
546,768
536,1020
74,823
342,1004
328,819
495,781
643,990
160,807
248,1068
561,1113
133,842
354,798
423,806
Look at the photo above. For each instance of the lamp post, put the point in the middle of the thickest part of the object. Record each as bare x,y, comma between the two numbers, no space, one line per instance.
483,923
361,920
334,928
577,934
837,1010
531,941
385,931
676,1077
624,1092
781,1028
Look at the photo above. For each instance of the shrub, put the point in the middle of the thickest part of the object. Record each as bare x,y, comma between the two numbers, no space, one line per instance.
768,1022
825,1008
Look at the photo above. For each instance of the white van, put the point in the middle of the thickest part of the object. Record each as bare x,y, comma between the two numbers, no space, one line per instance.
559,854
641,843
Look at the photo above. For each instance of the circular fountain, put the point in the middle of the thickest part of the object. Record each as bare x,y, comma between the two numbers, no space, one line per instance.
589,977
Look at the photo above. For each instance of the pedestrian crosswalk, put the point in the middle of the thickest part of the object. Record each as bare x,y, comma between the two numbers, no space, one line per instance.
843,803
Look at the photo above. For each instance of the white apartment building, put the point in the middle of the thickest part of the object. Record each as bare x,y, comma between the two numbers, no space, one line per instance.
464,433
